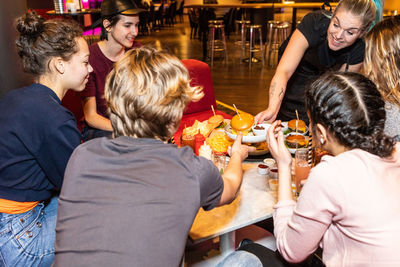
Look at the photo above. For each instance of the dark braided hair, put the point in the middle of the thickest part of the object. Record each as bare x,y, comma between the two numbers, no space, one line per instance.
40,40
351,108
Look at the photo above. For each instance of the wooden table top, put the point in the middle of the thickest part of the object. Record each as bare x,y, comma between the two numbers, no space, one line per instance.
254,203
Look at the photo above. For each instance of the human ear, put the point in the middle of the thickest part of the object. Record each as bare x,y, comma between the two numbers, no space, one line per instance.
322,134
106,25
57,64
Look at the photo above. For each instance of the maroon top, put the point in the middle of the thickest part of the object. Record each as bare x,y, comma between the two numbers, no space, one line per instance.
95,86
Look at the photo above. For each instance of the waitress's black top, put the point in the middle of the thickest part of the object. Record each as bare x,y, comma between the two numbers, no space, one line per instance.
317,59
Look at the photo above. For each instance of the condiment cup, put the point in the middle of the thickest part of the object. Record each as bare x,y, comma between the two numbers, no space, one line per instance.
273,173
262,132
270,162
263,169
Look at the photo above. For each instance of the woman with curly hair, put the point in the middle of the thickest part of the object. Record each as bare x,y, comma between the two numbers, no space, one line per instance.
350,203
382,66
38,136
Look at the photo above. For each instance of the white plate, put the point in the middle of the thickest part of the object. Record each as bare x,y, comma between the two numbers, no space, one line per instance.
246,138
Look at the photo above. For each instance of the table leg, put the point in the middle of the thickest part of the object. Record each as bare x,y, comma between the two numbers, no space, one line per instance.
227,243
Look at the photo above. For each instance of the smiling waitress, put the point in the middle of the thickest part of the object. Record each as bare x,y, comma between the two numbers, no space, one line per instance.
319,44
119,28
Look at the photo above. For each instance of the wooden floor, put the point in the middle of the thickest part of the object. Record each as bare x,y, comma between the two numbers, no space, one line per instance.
234,81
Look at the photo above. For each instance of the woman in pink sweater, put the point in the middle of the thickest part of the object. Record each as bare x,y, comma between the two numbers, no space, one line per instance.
350,204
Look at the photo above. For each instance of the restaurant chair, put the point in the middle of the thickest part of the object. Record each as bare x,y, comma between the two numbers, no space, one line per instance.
200,74
170,14
253,47
277,32
194,23
144,23
241,27
159,17
179,11
216,39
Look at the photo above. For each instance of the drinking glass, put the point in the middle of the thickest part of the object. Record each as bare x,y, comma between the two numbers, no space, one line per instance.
220,161
59,6
302,167
187,140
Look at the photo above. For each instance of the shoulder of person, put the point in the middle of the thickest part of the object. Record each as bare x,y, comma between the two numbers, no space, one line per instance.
317,18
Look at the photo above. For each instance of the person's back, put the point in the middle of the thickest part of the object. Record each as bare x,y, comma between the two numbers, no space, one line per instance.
131,199
350,203
357,193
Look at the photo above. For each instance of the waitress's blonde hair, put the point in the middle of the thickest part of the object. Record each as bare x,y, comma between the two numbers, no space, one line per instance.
146,94
382,58
369,11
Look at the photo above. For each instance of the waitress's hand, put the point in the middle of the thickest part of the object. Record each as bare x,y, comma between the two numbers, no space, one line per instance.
268,115
277,147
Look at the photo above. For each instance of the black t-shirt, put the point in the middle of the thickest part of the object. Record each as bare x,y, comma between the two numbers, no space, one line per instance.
317,59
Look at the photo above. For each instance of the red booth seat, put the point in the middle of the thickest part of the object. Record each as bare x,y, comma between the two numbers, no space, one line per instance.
200,74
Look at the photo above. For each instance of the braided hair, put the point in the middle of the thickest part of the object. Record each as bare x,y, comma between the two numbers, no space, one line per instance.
351,108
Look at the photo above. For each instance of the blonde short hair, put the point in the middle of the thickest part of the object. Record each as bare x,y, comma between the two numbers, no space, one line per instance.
146,94
382,58
366,10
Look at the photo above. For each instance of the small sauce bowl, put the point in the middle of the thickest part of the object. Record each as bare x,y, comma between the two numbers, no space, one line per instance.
270,162
273,173
263,169
261,129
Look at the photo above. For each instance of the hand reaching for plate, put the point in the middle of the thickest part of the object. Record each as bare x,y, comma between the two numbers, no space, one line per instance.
276,145
241,150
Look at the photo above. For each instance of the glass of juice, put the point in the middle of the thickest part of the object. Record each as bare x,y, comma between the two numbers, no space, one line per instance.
302,167
187,140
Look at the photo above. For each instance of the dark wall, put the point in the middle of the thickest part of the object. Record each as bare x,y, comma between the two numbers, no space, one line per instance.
11,74
48,4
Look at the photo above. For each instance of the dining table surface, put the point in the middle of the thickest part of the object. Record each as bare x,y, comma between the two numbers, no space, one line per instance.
254,203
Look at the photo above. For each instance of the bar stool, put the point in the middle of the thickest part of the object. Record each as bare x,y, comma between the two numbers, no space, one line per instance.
277,32
217,39
253,47
241,25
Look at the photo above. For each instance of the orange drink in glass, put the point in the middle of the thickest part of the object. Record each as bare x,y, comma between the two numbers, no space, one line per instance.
302,167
